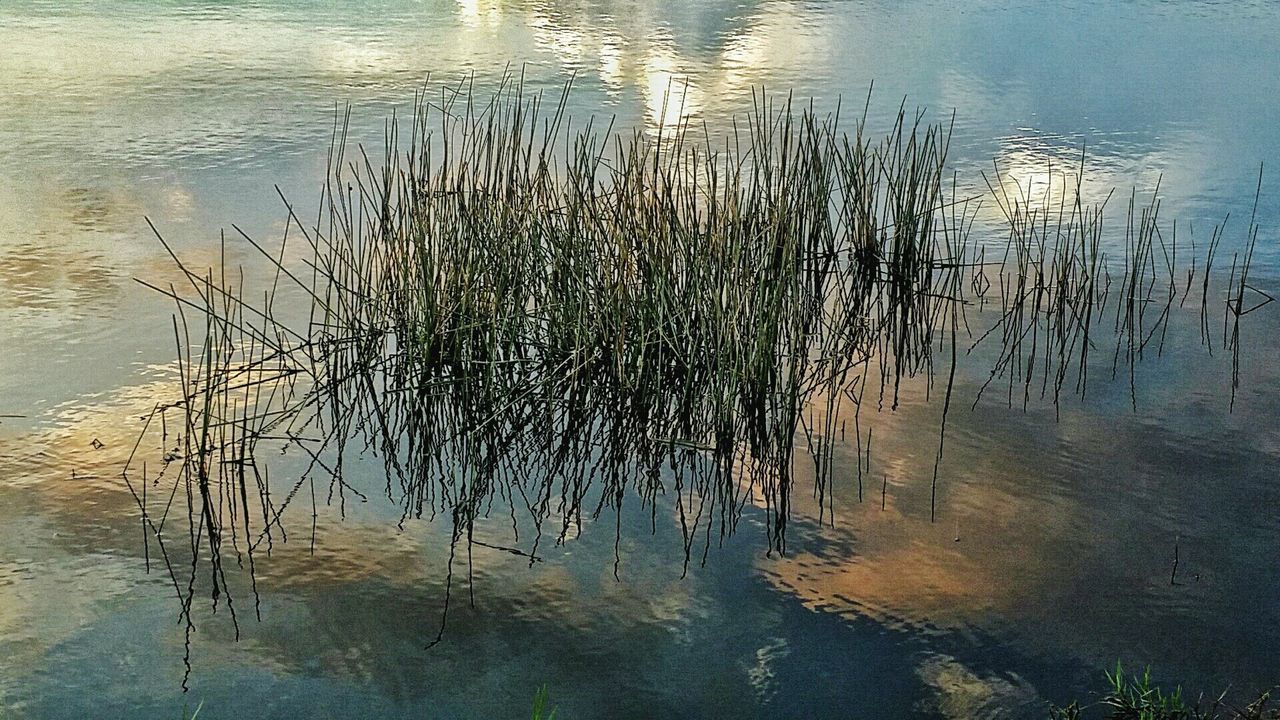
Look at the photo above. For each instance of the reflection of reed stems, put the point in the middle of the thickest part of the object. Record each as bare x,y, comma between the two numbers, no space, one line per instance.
505,310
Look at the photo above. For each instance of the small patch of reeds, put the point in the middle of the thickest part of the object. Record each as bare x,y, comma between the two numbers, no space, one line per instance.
1136,697
508,308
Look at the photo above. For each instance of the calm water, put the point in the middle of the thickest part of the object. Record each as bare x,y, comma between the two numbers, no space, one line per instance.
1052,552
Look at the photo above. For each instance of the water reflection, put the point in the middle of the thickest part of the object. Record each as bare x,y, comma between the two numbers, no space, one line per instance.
962,693
1031,542
356,612
1042,170
670,97
191,113
679,77
476,13
64,285
355,618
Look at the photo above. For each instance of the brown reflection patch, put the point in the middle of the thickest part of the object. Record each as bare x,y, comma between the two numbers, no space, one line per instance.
988,551
67,516
904,571
45,277
63,250
1057,536
88,208
70,473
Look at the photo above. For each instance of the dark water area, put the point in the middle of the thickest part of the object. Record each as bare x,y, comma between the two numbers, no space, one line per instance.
1046,556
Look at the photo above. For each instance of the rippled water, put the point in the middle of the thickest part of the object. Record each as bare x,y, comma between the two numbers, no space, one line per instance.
1051,555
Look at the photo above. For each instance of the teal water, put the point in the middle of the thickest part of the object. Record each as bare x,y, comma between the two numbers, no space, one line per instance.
1052,552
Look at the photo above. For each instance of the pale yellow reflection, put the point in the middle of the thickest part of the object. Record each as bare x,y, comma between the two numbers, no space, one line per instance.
632,47
611,58
1036,173
676,84
670,95
480,13
1037,184
778,36
351,56
1037,176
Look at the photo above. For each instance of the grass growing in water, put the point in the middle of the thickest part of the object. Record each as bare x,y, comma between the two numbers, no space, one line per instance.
1136,697
510,311
540,700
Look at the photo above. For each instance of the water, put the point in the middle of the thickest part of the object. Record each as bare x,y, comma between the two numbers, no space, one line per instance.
1052,552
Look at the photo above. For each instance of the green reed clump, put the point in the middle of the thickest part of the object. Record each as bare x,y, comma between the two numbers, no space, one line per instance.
1136,697
540,700
508,308
510,299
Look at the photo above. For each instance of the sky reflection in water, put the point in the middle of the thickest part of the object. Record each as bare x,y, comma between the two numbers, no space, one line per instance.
190,113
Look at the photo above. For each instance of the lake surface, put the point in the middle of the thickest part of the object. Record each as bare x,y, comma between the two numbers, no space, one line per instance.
1053,547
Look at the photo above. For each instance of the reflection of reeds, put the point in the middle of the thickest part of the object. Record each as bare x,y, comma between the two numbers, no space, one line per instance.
1237,286
511,310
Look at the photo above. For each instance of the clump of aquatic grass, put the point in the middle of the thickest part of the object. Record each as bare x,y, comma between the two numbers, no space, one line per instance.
510,310
540,700
1135,697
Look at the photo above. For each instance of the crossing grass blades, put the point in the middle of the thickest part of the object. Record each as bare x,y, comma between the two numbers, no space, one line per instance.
520,315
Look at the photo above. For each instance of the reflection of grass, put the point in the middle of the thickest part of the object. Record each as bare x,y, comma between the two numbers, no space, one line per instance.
1134,697
498,321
